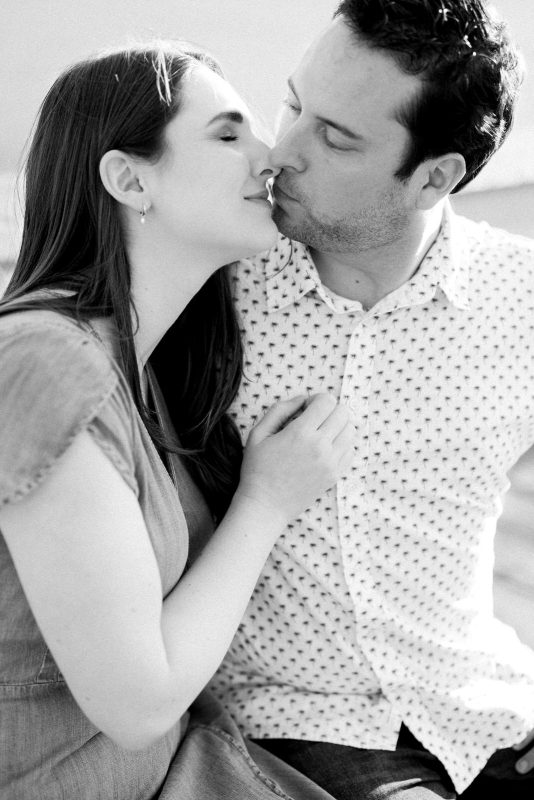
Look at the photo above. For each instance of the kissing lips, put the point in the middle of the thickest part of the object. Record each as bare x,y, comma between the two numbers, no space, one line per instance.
279,194
262,196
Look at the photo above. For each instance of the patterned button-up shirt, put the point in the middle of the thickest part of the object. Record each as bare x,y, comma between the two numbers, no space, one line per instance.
375,605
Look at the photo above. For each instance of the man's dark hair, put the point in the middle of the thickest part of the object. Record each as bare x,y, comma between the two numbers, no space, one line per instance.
469,68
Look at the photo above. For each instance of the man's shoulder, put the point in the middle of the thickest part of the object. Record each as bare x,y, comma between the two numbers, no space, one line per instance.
492,241
497,265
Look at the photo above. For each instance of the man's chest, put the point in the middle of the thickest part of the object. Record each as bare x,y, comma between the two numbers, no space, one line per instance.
428,383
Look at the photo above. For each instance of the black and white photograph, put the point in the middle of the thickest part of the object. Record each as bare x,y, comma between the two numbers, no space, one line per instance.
267,400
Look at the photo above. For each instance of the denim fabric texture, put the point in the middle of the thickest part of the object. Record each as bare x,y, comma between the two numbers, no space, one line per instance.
409,772
214,762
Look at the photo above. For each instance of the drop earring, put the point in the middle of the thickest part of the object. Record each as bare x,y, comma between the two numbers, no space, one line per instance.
142,214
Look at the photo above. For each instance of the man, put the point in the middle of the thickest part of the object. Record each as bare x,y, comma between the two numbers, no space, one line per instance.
369,657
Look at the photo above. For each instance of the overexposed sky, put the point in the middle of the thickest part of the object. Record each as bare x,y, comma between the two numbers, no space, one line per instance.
258,42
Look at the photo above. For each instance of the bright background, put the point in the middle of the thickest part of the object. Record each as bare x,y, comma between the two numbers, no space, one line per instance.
258,43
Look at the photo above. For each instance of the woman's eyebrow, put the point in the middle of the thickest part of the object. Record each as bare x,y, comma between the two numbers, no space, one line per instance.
228,116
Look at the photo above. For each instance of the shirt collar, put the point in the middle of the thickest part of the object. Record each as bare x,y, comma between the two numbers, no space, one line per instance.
453,258
290,274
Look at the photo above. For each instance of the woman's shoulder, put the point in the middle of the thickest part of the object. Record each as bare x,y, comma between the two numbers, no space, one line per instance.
55,380
50,344
31,324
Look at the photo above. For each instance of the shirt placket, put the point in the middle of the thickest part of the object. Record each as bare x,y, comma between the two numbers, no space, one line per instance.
352,494
355,516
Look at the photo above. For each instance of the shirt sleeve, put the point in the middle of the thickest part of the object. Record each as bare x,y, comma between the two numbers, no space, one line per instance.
54,382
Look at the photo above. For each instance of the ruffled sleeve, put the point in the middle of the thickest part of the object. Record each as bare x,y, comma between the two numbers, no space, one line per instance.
54,381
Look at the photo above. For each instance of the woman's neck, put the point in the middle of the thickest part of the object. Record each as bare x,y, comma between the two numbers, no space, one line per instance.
164,281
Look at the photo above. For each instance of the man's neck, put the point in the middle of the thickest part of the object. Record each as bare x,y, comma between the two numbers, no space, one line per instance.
369,275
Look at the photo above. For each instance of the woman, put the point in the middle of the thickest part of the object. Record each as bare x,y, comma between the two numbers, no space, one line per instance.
143,178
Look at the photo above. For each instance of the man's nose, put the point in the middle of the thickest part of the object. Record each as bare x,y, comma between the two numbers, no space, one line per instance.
287,152
263,164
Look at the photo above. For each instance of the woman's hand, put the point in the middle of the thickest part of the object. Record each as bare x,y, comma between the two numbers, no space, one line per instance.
291,458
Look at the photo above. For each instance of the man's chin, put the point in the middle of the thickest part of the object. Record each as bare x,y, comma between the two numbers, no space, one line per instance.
289,226
283,221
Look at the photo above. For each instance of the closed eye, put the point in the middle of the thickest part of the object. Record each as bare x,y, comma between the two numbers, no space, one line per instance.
229,123
341,146
228,133
292,105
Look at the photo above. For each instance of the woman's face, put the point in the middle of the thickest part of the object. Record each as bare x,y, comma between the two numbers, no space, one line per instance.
208,190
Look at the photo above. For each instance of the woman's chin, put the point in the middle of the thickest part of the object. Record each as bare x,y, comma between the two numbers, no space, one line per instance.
258,242
268,237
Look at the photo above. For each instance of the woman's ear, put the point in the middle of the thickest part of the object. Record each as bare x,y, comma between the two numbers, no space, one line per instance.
438,177
120,177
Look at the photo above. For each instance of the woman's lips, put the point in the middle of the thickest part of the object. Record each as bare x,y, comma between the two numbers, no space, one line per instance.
263,195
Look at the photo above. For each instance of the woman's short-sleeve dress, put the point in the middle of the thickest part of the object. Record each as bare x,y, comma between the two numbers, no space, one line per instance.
56,379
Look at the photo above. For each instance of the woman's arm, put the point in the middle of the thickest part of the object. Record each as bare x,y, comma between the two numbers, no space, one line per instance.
84,558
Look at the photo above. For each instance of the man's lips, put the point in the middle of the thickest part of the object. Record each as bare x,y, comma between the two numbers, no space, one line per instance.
279,192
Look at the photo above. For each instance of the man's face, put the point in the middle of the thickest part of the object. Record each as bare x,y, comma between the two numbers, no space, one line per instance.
339,145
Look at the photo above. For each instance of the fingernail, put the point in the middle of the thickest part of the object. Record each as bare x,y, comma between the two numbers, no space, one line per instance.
522,766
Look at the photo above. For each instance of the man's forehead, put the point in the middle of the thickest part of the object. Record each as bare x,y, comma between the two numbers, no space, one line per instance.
341,70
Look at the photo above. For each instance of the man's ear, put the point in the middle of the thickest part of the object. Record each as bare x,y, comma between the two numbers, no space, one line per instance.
437,177
121,179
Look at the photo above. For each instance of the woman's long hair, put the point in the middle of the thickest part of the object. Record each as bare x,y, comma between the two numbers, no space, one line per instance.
73,240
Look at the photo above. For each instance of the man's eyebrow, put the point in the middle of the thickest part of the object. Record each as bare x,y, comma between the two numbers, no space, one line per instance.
336,125
228,116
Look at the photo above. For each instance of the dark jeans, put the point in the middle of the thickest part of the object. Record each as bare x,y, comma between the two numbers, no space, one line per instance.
410,771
